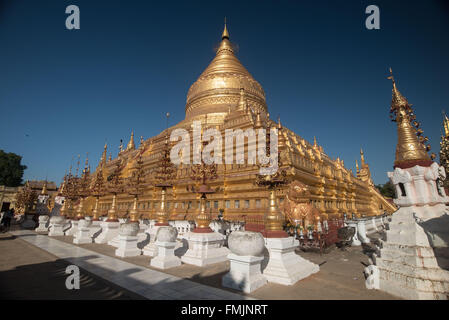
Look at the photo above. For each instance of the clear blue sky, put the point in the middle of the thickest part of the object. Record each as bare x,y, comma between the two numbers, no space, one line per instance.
65,92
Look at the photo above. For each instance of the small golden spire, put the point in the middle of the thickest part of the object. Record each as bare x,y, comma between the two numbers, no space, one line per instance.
315,144
409,150
225,34
362,157
110,157
446,125
258,120
86,164
120,147
131,145
357,166
44,188
141,142
279,123
104,154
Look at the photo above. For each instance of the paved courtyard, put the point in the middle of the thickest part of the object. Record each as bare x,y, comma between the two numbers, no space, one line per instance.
33,266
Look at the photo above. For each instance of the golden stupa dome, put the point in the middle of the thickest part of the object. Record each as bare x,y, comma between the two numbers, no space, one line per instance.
218,87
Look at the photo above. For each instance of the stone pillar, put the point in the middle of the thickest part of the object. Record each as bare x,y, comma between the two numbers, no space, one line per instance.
245,261
166,243
43,224
95,229
73,228
151,249
284,265
205,248
57,224
422,192
114,242
109,230
127,246
82,235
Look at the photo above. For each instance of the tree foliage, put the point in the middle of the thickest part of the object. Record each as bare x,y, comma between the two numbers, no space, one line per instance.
387,189
11,171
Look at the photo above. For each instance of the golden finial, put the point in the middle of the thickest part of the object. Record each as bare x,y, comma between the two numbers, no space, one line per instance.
362,157
279,123
44,188
87,159
141,142
258,120
225,34
110,157
357,166
104,154
120,147
131,145
446,125
315,144
78,165
397,100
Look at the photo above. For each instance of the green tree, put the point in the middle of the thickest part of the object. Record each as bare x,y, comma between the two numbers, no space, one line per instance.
387,189
11,171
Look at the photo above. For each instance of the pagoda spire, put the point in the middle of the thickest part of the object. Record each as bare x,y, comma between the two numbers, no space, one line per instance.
410,150
225,34
104,154
446,125
44,188
362,157
131,145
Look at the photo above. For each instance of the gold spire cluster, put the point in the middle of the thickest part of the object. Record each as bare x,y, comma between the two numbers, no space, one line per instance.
411,149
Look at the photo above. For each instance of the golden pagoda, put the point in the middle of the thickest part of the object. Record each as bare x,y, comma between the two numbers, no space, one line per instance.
226,96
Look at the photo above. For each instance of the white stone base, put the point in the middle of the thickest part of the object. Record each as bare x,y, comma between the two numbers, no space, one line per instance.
56,230
94,229
205,249
284,265
82,235
115,242
407,266
43,226
165,258
151,249
109,230
127,247
244,274
73,228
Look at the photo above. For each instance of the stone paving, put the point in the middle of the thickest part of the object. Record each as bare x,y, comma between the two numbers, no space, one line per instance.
148,283
340,277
